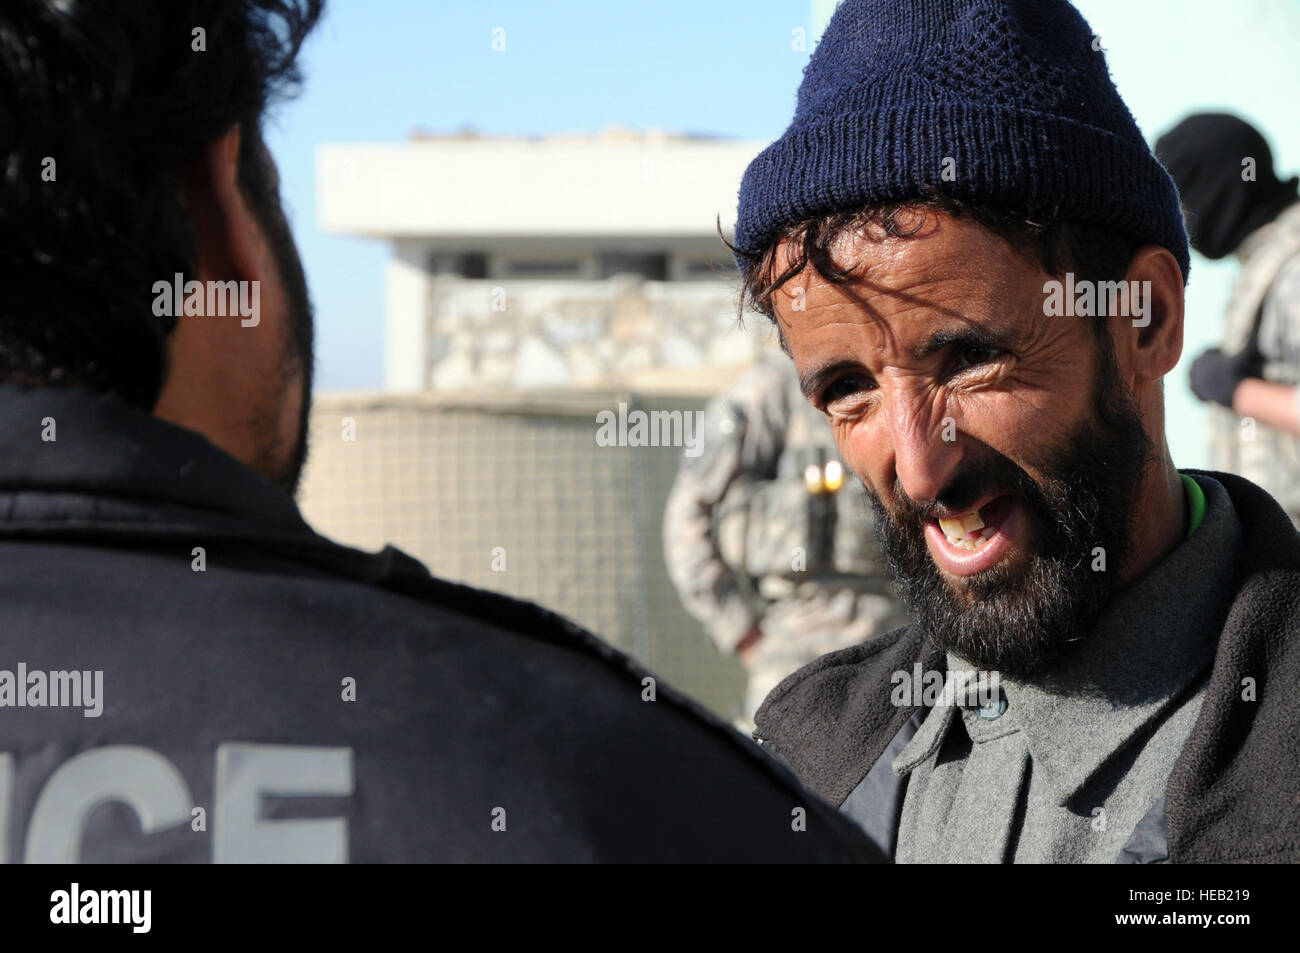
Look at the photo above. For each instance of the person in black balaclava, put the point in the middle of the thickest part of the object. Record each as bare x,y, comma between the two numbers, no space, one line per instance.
1234,203
1224,200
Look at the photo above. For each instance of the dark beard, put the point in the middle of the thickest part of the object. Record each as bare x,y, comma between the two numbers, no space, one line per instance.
1019,623
261,183
298,358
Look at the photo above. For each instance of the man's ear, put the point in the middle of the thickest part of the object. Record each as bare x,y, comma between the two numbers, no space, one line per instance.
1149,336
225,230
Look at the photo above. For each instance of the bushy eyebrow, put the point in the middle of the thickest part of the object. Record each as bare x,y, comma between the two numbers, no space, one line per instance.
814,380
966,336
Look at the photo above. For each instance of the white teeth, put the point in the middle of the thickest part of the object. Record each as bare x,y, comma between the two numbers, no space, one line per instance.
971,522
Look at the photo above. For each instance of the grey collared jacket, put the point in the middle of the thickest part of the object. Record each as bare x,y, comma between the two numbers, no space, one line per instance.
1234,792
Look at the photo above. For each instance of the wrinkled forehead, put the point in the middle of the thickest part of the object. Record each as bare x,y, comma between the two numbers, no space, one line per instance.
905,289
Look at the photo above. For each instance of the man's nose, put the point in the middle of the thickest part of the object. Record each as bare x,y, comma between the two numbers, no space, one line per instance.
926,449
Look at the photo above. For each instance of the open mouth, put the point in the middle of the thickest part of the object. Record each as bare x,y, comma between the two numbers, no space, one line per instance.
972,530
969,542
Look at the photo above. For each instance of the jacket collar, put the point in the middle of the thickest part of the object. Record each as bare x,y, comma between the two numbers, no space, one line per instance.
832,719
1133,666
65,442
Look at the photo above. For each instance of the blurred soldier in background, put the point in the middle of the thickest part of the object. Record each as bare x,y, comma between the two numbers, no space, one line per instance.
1235,204
769,538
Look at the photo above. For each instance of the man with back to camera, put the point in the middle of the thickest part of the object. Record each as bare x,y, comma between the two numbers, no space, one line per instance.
978,268
182,660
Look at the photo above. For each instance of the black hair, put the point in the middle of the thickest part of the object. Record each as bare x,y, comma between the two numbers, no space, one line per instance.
1057,245
101,105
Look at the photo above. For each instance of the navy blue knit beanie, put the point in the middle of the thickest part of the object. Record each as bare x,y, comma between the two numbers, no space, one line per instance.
999,102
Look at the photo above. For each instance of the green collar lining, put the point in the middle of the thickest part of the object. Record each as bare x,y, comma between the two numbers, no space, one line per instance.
1195,503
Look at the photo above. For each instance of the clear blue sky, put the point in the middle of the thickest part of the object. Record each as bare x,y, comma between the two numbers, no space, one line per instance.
376,70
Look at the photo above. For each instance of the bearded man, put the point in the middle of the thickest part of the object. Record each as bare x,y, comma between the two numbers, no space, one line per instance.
952,167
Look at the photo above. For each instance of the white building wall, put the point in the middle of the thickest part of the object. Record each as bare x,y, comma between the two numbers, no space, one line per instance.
517,187
679,337
515,204
406,319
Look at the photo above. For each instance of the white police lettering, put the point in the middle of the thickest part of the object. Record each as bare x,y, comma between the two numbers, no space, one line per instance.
6,799
246,773
151,786
142,779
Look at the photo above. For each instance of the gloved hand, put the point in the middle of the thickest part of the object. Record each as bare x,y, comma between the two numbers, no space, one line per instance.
1215,375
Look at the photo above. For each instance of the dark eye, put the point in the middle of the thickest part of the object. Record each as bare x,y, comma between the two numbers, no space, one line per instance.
843,387
974,357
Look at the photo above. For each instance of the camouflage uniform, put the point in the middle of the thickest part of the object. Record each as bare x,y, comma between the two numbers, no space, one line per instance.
758,530
1269,278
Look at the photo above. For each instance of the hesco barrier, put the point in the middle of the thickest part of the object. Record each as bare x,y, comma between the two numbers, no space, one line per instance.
513,493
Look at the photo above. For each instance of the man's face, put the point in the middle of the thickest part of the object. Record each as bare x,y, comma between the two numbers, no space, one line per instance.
954,398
